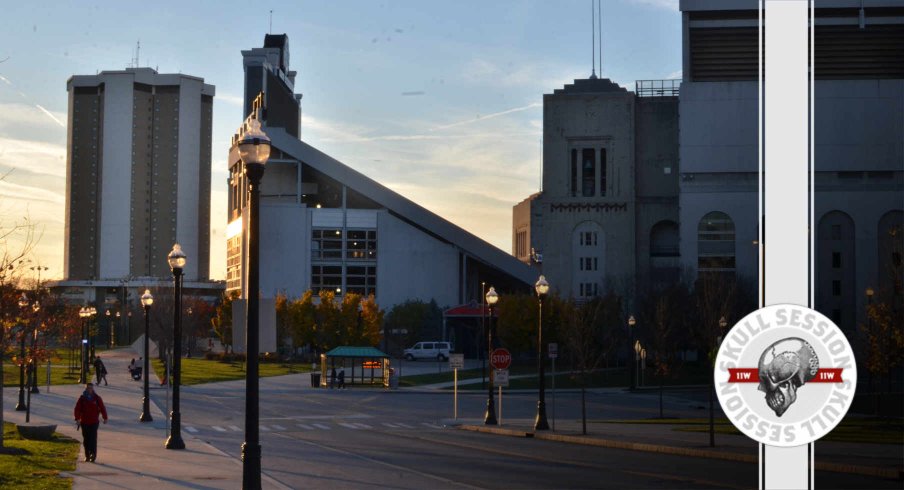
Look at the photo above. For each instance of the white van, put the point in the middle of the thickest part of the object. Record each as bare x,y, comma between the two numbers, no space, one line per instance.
429,350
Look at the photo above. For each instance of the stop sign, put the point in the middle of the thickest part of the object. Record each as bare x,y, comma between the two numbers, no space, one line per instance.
501,358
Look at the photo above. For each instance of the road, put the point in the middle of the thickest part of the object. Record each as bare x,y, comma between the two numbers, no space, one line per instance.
379,439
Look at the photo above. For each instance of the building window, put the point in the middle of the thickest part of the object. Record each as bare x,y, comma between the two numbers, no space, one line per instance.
361,244
361,279
326,277
588,263
836,316
574,173
716,243
588,238
836,260
589,289
326,244
588,172
521,244
602,172
836,288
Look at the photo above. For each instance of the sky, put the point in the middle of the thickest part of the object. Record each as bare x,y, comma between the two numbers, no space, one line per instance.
439,101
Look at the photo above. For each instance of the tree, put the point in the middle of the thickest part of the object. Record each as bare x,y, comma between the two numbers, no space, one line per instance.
587,333
415,317
222,319
666,314
17,240
197,321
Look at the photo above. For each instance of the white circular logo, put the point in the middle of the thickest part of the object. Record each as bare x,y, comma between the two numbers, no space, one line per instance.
785,375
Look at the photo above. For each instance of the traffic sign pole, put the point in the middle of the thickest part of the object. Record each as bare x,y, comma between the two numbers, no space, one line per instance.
455,396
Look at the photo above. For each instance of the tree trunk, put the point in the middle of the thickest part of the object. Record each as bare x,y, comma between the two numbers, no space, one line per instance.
660,395
583,409
1,389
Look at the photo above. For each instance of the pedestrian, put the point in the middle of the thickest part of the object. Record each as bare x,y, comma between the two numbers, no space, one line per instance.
132,366
100,371
87,413
332,377
342,378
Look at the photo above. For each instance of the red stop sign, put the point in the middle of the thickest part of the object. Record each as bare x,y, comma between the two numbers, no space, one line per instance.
501,358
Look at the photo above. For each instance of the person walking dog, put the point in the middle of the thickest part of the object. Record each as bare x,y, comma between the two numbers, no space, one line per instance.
88,410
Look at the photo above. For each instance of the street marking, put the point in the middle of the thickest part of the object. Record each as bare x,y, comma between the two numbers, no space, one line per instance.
218,428
387,424
432,426
349,426
405,425
363,426
305,426
278,427
322,426
235,428
191,429
265,428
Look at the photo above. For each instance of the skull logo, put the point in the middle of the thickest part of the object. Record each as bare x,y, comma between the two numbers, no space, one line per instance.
784,367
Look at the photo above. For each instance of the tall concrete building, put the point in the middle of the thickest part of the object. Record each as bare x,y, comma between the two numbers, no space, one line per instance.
607,217
138,181
858,148
138,174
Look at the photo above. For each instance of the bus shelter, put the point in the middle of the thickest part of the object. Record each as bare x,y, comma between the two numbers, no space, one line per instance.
362,365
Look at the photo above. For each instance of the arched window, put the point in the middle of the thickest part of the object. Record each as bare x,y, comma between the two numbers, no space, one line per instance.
716,243
664,239
836,293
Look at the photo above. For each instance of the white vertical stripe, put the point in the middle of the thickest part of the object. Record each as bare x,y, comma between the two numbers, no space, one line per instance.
786,201
116,176
188,171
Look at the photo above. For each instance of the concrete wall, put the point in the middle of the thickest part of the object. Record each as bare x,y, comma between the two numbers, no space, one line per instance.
286,251
188,172
718,127
413,265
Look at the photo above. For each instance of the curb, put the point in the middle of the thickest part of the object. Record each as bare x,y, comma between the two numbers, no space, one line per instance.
889,473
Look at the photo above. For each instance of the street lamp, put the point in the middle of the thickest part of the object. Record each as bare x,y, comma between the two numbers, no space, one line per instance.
643,364
542,288
254,150
490,417
20,405
176,259
146,301
631,323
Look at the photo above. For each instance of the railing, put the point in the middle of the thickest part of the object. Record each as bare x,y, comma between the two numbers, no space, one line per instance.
657,88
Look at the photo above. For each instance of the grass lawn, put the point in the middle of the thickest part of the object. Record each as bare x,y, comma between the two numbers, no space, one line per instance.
59,375
851,429
39,463
198,371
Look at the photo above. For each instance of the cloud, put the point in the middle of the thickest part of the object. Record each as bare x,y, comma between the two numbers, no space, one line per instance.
50,115
488,116
230,99
35,157
675,74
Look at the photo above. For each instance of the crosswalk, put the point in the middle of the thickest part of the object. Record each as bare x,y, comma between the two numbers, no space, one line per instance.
321,425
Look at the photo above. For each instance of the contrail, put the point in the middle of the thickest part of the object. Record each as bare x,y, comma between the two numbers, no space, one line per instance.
488,116
51,116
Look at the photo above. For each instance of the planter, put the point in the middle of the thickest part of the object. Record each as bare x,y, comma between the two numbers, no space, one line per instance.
36,431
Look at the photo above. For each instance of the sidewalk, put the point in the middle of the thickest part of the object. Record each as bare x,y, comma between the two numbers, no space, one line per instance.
130,454
882,460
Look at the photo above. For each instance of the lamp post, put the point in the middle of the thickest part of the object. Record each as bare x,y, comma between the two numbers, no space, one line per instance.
32,366
146,301
712,380
631,323
490,417
542,288
20,406
83,314
176,259
36,307
254,150
637,348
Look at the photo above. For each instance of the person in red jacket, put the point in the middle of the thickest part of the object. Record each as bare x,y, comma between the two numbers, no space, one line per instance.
88,410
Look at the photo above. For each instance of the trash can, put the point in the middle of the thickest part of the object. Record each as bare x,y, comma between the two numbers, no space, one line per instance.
315,380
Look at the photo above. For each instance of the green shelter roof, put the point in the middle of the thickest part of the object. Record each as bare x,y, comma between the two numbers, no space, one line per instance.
348,351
